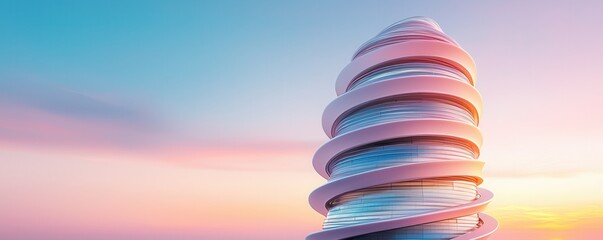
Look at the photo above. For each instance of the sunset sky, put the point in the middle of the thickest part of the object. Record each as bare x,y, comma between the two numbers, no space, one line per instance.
197,120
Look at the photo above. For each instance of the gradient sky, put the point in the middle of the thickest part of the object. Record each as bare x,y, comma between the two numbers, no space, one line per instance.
198,120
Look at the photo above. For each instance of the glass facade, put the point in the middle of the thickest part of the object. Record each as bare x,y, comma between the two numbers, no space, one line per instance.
394,110
399,200
399,152
440,230
408,69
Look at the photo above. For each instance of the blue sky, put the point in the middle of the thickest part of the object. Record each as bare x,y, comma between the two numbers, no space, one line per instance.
196,63
236,89
238,72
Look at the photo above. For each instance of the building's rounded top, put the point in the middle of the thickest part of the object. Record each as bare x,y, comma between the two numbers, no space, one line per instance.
413,28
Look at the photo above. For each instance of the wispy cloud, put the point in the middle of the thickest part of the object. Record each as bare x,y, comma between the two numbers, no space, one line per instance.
284,155
35,116
58,100
40,115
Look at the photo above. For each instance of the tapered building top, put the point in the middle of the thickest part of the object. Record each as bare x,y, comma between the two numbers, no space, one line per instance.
414,28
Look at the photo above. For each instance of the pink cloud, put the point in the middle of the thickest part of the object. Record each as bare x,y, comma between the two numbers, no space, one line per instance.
33,129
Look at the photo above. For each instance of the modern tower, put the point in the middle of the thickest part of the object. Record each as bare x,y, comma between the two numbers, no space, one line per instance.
402,162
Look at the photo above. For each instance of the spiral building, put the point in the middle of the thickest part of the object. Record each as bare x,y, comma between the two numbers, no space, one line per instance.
402,159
